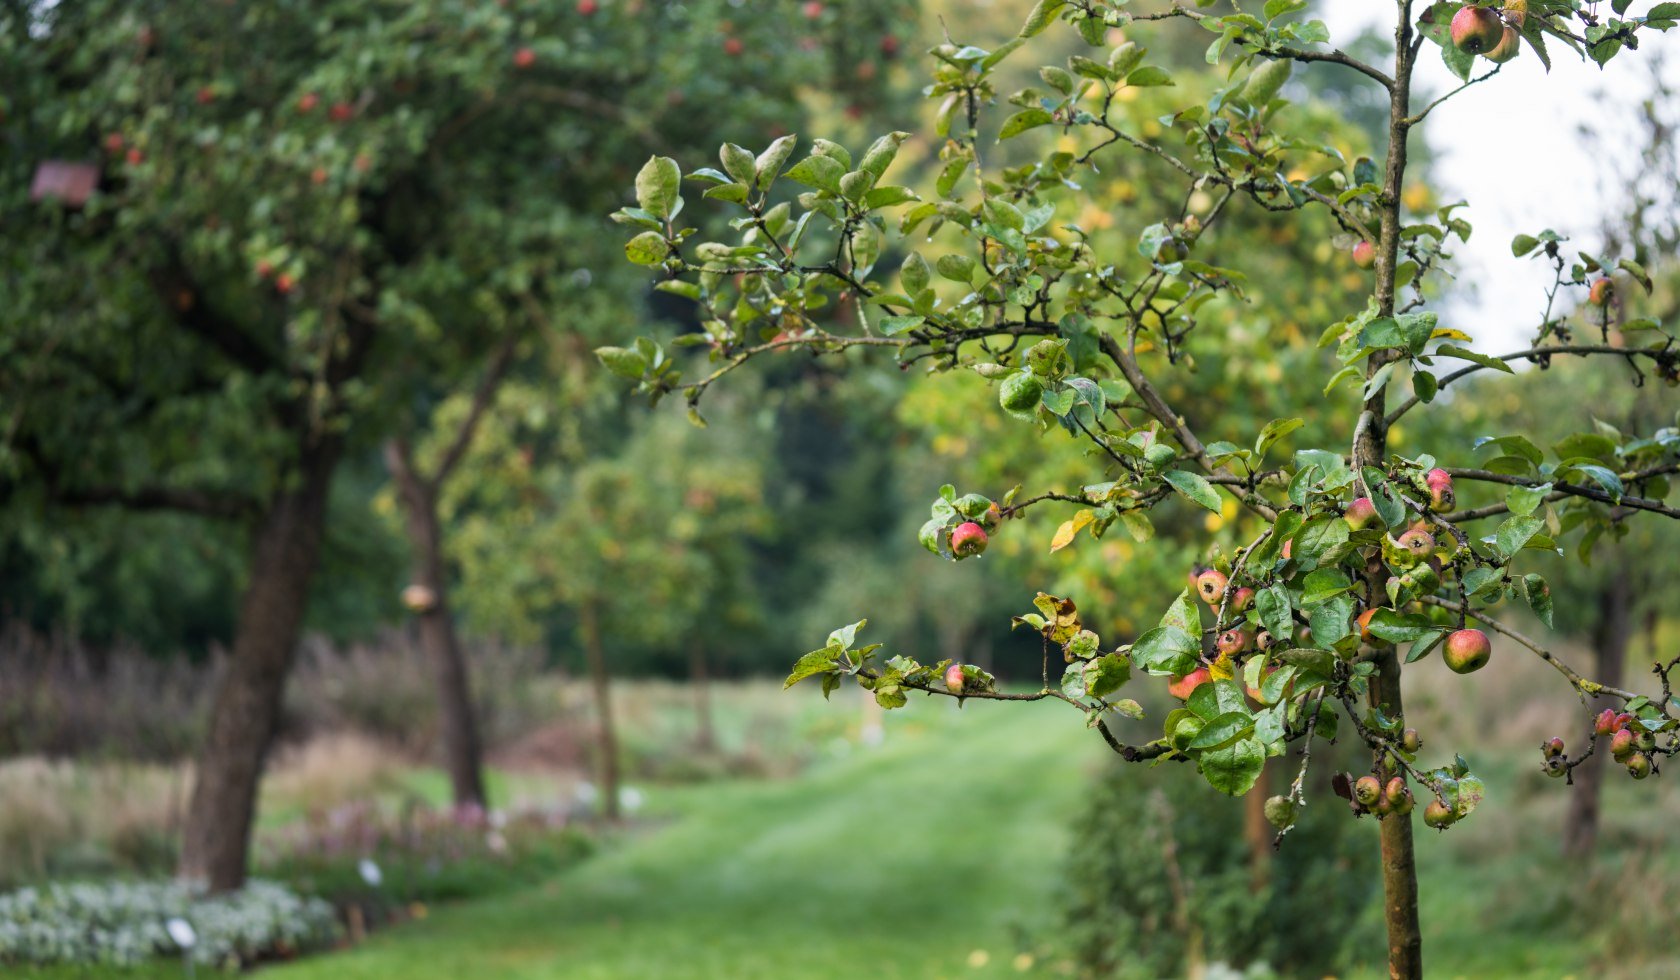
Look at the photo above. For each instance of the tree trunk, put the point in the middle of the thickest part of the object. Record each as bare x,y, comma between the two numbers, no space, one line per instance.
1258,831
217,835
606,739
705,735
462,751
1370,449
1610,639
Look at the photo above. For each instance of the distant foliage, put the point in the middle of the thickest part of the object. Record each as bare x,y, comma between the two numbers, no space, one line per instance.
1160,867
124,924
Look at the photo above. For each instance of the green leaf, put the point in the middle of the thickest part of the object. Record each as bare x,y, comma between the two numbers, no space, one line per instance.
1275,430
1024,120
623,362
1166,650
648,248
1223,730
842,638
1273,606
813,663
1149,76
1514,533
1043,14
769,164
1194,488
1470,355
1107,674
821,172
657,187
1320,536
1233,770
1183,614
738,163
1397,627
1524,244
892,326
1524,500
1329,622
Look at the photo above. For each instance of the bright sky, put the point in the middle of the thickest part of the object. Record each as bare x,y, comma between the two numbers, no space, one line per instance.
1511,146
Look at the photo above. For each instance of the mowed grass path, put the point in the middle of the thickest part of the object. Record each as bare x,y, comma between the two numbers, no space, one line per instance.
894,861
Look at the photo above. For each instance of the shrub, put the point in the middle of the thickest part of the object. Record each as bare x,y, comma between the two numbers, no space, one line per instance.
124,924
418,854
1160,874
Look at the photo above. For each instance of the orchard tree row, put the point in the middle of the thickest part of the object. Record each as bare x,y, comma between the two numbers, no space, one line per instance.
1362,561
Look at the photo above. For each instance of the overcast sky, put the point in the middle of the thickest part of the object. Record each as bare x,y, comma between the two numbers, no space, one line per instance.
1512,148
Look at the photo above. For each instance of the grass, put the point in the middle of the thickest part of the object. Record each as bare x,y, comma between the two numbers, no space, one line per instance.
938,853
905,860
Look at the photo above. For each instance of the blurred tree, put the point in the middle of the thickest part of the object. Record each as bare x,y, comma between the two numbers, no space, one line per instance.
645,547
306,216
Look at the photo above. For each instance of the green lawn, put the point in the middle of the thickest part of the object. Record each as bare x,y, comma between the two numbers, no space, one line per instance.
902,860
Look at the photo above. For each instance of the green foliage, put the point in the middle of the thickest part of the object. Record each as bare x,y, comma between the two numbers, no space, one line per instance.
1160,876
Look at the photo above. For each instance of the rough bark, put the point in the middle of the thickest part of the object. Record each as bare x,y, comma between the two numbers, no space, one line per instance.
1399,865
1611,636
606,737
217,834
463,755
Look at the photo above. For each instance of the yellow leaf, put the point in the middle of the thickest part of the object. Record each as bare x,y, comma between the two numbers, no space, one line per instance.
1221,669
1069,529
1449,333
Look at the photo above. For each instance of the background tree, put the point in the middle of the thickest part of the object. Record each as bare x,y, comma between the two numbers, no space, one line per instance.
1091,340
287,199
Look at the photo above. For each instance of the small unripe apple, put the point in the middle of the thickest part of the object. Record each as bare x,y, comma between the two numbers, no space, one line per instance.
1623,720
1621,745
1395,791
1466,651
991,518
341,112
1639,766
1280,812
524,58
1601,292
1367,790
1439,815
1555,766
113,142
134,156
1020,393
1476,30
1181,686
265,269
1196,571
954,678
1509,46
889,45
733,47
1605,723
1210,585
308,101
587,7
813,9
1360,514
1364,254
318,176
1231,642
1418,544
1644,740
1411,741
1263,640
205,95
1553,747
284,282
1242,598
968,540
1440,486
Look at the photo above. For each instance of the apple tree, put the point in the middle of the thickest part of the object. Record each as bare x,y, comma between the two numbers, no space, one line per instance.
1366,565
247,242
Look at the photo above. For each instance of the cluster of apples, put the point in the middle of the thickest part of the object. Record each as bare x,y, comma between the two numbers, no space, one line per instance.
1493,34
